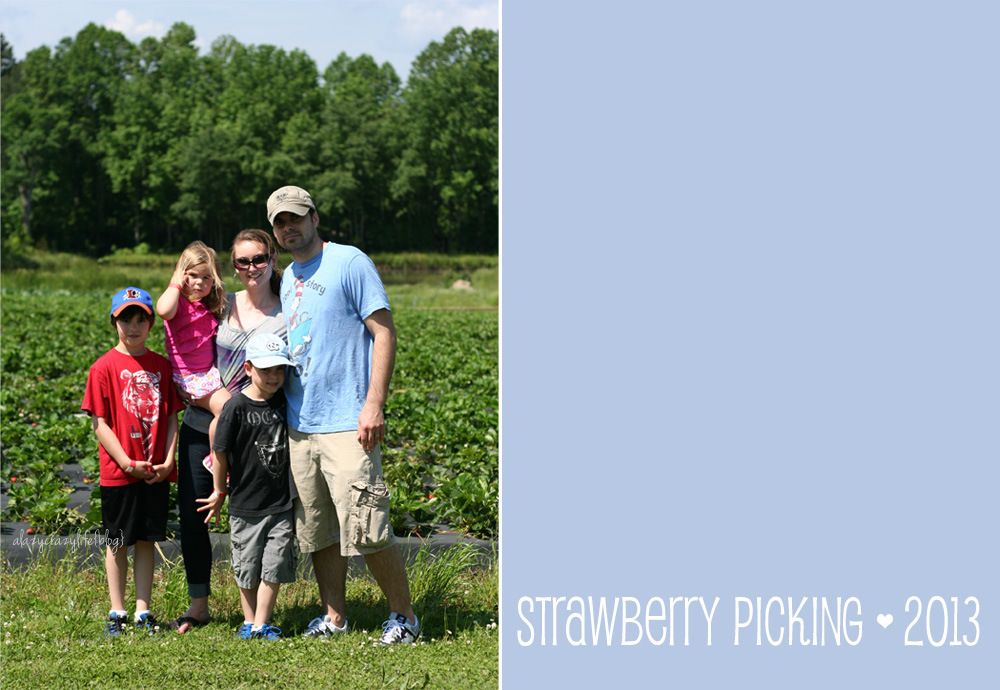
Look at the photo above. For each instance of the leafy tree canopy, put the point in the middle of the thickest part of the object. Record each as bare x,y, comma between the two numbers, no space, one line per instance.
108,143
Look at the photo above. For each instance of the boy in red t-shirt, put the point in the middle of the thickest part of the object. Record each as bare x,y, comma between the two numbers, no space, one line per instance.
133,407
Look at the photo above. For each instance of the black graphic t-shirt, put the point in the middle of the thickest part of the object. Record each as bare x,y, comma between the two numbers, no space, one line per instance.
255,436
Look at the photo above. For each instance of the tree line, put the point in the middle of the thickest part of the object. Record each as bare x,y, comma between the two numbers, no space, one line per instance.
106,143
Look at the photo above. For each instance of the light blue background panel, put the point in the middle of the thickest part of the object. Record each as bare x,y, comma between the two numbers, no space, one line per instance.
750,329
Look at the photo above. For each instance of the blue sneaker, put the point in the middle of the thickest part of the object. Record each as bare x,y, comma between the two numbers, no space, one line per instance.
245,630
147,622
266,632
115,625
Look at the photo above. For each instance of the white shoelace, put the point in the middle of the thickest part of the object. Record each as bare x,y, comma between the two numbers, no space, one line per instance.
393,630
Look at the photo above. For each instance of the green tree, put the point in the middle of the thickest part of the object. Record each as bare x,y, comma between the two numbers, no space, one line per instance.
35,127
210,172
152,119
9,68
449,173
358,150
260,90
52,144
92,70
109,143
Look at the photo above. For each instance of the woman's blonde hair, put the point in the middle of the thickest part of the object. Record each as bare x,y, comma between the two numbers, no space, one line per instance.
200,253
265,240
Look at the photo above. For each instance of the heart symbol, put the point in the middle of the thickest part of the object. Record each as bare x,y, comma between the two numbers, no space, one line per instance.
884,619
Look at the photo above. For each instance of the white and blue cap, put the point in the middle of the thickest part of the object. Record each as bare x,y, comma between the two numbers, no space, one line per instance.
267,350
126,297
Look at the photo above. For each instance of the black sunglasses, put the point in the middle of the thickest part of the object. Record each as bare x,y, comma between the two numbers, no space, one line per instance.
241,263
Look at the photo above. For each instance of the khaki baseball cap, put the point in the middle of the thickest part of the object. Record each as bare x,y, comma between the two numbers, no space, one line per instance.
289,198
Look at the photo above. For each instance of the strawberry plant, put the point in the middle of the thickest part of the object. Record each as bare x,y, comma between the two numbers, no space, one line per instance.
441,453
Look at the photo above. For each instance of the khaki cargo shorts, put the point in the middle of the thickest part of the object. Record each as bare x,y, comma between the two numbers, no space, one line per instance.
342,495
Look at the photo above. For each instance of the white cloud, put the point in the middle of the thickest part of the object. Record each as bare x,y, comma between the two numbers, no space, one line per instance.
125,22
432,19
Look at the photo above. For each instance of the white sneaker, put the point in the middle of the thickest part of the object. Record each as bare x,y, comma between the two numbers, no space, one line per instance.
398,630
322,626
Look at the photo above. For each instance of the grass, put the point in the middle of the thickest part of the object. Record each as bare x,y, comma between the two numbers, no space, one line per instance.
434,291
413,281
51,618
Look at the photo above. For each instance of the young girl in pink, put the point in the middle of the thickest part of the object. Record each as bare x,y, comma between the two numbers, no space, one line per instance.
190,309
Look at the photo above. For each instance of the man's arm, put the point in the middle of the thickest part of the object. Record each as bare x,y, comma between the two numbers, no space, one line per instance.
371,421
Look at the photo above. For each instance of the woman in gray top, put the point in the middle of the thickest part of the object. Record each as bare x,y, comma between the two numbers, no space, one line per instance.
254,309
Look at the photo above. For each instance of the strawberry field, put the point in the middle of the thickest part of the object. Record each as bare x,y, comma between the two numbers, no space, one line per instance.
441,452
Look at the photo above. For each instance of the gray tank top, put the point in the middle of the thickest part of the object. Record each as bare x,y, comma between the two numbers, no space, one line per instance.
230,349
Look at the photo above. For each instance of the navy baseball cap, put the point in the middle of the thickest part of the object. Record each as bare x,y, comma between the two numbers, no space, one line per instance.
129,296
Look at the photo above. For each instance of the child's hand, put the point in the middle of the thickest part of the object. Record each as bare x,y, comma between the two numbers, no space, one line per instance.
140,470
213,504
160,472
179,278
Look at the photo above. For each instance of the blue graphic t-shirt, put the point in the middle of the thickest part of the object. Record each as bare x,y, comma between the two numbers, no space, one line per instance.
325,301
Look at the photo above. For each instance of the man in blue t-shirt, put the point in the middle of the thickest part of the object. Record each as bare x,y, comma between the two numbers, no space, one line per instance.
343,343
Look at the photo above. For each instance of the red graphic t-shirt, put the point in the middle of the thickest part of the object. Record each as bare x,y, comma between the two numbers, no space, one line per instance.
136,397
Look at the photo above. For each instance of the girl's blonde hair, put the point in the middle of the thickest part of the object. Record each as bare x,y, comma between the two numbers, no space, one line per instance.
200,253
265,240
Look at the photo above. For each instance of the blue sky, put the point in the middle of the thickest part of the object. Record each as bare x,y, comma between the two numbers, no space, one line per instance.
388,30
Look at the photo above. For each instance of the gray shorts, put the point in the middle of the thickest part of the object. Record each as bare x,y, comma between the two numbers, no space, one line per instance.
263,549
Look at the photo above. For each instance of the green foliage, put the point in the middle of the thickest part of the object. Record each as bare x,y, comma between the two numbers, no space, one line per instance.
140,250
442,420
441,461
416,263
449,163
49,343
111,144
357,164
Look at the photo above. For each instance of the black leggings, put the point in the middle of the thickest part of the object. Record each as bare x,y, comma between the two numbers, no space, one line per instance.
194,481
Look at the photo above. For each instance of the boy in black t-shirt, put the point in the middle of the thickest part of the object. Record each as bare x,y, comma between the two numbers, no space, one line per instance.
251,444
